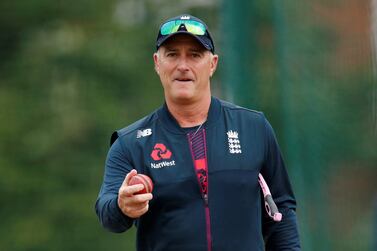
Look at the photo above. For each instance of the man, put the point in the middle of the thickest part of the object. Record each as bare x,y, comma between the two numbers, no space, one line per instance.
203,155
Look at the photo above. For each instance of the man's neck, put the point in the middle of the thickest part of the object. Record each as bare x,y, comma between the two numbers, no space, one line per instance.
190,115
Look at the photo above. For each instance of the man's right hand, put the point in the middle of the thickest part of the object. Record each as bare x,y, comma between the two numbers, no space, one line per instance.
133,205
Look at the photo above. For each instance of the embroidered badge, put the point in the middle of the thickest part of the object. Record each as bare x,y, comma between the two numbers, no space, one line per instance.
234,142
161,153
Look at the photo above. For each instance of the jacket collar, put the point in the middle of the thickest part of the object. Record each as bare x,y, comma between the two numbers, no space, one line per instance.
170,123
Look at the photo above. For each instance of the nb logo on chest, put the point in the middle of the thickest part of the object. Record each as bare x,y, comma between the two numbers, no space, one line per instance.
143,133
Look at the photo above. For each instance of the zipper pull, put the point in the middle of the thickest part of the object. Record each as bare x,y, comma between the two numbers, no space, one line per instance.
205,197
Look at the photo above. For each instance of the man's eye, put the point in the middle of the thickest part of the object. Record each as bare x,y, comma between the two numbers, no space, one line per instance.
171,54
196,55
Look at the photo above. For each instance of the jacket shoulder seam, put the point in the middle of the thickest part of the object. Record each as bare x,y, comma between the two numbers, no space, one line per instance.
141,123
231,106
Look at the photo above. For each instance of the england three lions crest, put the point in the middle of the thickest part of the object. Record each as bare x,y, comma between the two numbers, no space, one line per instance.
233,142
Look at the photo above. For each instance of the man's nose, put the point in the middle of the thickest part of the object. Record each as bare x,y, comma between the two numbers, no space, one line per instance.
182,64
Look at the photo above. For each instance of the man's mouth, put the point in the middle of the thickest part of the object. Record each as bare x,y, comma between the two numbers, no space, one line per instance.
183,79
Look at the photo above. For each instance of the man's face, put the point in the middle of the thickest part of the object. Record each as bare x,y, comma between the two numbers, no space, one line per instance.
185,68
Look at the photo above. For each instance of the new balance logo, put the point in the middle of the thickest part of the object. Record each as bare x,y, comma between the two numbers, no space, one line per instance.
143,133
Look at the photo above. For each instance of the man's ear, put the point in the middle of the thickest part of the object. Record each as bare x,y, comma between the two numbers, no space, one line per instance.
214,60
156,63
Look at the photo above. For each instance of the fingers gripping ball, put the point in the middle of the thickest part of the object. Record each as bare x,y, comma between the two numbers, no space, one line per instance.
144,180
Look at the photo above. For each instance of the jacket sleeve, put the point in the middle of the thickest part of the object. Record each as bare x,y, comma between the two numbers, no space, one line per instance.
278,235
116,168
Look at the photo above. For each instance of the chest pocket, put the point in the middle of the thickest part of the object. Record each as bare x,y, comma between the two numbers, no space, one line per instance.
233,150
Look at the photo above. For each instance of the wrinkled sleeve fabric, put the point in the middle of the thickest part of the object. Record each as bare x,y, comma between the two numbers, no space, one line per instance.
116,168
279,236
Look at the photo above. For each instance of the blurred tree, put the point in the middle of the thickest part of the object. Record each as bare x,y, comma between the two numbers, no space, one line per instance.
70,74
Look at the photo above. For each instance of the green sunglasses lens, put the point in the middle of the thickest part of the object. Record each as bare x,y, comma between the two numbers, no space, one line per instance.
193,27
196,28
168,28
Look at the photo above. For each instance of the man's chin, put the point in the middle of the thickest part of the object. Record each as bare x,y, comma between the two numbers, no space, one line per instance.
183,98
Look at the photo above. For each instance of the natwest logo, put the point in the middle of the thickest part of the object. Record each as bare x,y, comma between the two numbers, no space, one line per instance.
160,152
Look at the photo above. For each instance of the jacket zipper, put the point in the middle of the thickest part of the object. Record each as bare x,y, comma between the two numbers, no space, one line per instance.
204,195
208,222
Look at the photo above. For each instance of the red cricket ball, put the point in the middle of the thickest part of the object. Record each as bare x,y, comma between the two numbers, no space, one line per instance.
144,180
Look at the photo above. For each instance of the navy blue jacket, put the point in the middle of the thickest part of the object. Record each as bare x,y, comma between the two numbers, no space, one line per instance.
179,219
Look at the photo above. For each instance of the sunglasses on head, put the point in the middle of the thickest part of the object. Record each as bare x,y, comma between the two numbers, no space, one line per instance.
191,26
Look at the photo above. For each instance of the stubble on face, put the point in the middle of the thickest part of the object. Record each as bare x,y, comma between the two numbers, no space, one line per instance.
185,68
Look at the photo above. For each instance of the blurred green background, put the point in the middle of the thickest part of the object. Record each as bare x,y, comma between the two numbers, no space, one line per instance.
71,72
